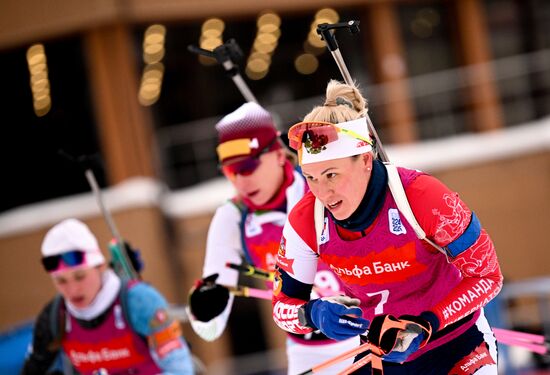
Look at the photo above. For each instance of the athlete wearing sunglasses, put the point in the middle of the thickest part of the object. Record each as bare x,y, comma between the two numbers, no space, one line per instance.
98,321
247,165
248,229
422,306
71,258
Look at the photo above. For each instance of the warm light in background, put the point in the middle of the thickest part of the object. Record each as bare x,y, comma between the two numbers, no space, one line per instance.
327,15
265,43
211,37
153,72
307,62
40,84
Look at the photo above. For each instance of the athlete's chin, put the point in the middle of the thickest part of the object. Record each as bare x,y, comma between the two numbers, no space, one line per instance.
258,200
340,213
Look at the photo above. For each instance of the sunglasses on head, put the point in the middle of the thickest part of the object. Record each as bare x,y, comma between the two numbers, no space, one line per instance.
246,166
316,135
70,259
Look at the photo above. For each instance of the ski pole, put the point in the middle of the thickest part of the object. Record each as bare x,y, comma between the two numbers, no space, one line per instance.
533,347
252,271
118,250
248,270
245,291
180,311
341,357
535,343
522,336
121,262
325,30
227,56
374,359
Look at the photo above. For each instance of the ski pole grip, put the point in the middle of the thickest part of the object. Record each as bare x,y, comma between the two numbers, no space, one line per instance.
324,30
200,51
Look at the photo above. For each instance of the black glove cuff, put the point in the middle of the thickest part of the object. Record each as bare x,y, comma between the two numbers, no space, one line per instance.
432,319
208,300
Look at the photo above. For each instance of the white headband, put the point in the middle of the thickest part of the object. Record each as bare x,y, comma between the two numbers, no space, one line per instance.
346,145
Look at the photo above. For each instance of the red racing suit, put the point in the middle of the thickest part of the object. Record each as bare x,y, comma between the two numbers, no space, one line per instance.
386,266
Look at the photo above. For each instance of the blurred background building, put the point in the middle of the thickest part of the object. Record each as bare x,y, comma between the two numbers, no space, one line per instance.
459,88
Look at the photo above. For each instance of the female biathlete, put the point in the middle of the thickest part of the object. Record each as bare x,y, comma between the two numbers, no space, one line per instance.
249,228
421,304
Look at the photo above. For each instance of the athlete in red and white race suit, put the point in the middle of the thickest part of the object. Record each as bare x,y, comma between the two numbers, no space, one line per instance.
376,253
250,226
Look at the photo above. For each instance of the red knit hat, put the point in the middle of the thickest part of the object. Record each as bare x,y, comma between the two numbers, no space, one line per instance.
247,131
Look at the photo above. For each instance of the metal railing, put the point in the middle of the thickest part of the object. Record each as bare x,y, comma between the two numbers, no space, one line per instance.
523,81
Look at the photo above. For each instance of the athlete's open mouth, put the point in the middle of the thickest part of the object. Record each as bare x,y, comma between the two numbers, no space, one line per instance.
334,205
77,300
250,195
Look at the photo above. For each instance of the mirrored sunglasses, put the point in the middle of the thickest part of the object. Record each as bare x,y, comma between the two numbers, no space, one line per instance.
246,166
70,259
316,135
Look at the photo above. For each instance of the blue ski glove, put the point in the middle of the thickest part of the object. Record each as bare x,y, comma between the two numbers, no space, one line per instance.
338,317
408,342
399,338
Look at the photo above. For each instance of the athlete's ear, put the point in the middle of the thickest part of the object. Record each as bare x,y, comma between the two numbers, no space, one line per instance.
367,159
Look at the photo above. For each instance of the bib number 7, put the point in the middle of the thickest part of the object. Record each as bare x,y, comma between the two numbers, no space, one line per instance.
385,294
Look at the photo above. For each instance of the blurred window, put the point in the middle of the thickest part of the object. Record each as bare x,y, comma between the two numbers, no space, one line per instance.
32,170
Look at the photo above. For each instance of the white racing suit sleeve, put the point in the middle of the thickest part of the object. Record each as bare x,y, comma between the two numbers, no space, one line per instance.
223,245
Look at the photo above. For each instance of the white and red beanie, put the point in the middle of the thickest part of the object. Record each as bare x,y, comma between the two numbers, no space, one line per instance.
69,235
353,139
245,132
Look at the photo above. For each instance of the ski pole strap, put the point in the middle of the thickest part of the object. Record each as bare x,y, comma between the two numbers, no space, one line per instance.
398,193
383,332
